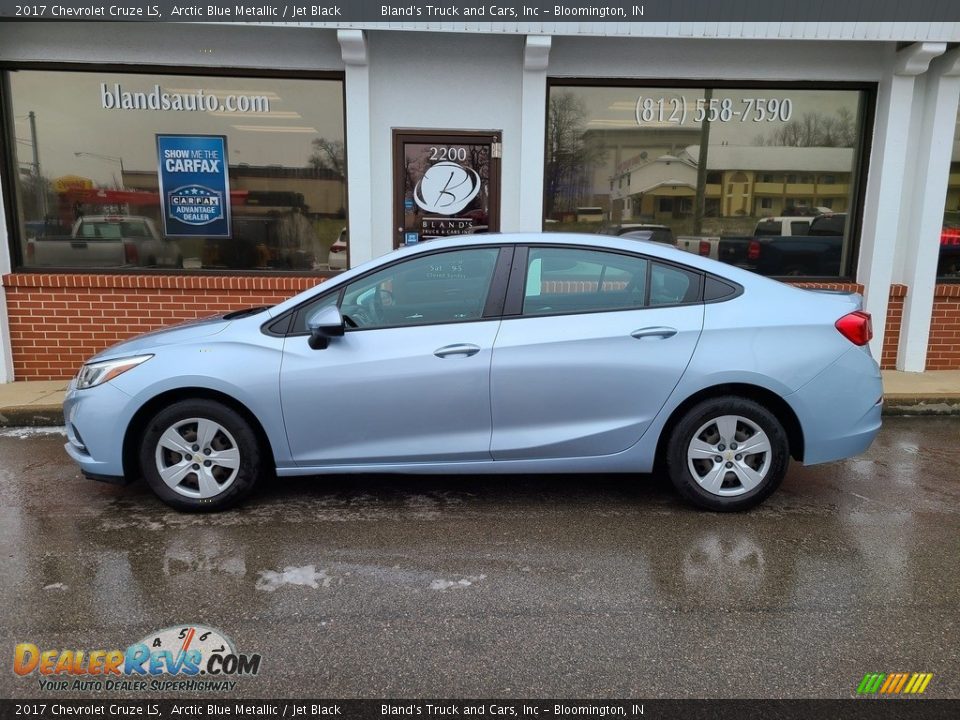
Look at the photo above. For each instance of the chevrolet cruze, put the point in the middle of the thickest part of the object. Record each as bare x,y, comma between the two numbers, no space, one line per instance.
532,353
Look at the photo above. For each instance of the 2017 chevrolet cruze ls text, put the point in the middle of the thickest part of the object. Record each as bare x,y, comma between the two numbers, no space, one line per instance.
525,353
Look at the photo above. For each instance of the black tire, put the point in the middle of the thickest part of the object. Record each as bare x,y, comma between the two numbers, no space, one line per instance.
697,417
237,485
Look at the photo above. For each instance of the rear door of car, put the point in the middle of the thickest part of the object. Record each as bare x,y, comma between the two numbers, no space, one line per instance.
591,346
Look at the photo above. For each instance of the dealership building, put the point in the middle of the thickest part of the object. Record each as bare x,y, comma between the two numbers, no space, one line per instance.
154,173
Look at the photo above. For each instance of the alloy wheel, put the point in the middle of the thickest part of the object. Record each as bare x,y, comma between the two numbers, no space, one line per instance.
197,458
729,455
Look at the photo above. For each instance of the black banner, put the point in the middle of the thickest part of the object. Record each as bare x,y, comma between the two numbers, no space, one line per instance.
531,11
854,709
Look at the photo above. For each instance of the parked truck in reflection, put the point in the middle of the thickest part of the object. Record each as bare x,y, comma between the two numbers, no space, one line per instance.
788,245
105,241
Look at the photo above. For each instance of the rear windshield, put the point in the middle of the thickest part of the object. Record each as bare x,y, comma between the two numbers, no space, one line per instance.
662,236
769,227
113,230
832,225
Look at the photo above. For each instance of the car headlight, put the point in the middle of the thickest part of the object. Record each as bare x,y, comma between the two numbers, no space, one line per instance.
96,373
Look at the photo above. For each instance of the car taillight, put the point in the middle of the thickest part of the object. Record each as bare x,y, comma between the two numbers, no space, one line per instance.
753,250
130,254
950,236
704,248
335,249
857,327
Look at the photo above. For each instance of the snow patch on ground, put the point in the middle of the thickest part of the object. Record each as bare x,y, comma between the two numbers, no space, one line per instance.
28,432
444,585
308,575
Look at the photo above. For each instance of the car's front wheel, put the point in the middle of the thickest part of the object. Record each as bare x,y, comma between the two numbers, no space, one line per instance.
728,453
200,455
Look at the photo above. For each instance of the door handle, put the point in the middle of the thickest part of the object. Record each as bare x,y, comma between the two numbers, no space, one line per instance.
460,349
660,332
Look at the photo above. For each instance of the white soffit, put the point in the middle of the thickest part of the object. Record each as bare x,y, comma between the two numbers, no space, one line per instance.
875,31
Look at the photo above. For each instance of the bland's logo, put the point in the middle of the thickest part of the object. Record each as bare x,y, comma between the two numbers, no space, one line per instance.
182,651
195,205
446,188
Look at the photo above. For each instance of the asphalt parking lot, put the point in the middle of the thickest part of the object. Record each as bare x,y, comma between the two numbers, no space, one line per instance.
469,586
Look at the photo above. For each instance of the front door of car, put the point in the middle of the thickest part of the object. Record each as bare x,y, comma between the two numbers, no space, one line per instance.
409,379
597,343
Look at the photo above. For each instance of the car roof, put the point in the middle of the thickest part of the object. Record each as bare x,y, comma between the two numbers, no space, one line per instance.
608,242
656,250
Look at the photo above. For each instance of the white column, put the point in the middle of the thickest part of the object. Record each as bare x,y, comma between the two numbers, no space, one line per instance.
353,49
885,183
6,353
926,196
533,103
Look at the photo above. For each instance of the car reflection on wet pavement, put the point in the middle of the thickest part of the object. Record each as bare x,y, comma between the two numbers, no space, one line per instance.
521,586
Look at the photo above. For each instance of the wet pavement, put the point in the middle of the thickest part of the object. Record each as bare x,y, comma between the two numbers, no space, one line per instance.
468,586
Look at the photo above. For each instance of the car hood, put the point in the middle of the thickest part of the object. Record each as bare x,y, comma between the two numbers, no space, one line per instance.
189,330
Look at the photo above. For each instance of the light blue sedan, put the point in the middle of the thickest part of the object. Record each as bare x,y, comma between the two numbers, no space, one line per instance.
532,353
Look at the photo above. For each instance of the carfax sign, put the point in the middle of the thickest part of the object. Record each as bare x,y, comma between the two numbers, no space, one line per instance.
194,185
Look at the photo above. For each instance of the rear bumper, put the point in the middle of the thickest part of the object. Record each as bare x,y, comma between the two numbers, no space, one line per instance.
839,410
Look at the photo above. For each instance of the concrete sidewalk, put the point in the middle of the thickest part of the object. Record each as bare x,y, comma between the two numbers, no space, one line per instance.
38,403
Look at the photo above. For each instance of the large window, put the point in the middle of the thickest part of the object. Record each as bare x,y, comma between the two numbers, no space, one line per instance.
948,267
118,170
713,164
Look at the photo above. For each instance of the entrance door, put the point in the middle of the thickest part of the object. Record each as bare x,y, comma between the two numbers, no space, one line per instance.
445,183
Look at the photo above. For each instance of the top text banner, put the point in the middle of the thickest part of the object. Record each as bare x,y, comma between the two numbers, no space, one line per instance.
503,12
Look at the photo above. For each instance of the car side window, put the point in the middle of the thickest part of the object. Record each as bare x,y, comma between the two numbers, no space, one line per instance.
573,280
428,289
670,285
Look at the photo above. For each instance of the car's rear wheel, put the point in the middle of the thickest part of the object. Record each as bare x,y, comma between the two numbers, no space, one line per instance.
200,455
728,453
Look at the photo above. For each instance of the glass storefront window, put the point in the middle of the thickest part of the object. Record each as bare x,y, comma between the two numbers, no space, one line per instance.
948,266
708,169
254,171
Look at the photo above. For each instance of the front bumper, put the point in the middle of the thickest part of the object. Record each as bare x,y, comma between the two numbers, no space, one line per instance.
96,421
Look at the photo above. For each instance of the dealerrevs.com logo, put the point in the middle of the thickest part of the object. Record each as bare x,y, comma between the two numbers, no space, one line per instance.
180,658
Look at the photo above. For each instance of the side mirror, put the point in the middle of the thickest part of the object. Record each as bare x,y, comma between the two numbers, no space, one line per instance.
324,324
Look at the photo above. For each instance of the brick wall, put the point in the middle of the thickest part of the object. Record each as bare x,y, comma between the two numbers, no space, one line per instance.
891,333
59,320
943,349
